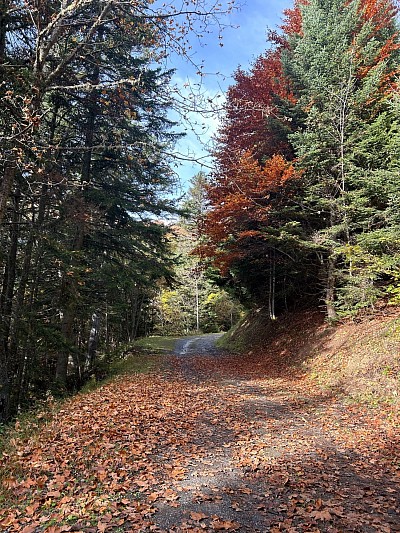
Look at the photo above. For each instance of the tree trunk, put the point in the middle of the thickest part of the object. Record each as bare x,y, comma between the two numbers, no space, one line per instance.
24,354
330,288
19,312
92,344
6,314
272,287
66,330
69,286
4,5
4,388
6,187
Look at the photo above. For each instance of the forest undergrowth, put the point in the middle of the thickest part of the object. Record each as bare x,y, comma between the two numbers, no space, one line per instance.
261,441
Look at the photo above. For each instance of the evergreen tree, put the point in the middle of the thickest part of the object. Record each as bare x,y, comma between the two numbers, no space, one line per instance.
85,170
341,78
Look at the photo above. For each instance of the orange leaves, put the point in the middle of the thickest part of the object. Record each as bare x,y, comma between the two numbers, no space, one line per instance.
293,20
252,154
197,517
321,515
380,13
224,525
216,523
241,204
250,103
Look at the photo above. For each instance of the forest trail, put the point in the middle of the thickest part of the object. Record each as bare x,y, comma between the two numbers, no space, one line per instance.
197,345
209,442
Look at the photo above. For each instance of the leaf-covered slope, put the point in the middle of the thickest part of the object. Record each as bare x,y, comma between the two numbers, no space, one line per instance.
359,358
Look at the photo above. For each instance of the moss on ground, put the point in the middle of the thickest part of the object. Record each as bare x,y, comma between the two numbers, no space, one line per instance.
156,345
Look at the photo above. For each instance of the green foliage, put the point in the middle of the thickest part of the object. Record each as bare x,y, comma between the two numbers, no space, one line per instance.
93,179
348,147
192,303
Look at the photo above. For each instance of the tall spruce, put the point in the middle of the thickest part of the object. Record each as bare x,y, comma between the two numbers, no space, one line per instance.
342,82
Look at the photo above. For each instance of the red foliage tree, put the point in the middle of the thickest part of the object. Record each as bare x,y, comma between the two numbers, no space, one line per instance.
381,16
255,173
243,205
252,154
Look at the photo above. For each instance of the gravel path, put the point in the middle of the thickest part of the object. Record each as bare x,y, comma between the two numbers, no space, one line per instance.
197,345
270,454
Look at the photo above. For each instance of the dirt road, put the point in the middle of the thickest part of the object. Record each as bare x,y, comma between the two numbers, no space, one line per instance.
208,442
198,345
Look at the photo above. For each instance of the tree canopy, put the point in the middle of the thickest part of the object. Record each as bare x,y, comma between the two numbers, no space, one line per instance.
306,179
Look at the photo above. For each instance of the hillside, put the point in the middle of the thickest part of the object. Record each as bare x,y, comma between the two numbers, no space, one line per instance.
357,358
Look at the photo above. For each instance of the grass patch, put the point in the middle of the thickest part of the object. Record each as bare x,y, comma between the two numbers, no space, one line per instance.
133,364
156,345
131,361
358,360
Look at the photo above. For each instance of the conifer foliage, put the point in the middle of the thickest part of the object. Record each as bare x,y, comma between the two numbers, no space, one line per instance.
306,185
85,179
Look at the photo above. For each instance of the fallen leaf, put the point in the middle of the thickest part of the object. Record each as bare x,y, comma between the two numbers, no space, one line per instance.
225,525
197,516
321,515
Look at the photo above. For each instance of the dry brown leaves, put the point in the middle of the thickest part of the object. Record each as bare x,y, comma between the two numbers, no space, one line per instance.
225,448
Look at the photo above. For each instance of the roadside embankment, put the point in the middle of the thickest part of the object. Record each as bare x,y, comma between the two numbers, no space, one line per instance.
358,358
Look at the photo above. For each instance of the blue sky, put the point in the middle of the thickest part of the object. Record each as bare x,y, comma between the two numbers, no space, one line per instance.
244,41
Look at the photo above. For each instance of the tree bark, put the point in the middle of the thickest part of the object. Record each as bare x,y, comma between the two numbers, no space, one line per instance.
4,4
69,293
4,389
6,315
6,187
93,340
330,288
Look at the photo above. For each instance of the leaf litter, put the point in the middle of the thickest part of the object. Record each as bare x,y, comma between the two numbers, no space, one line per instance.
207,443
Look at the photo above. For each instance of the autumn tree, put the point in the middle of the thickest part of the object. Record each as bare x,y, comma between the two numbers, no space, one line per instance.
247,232
308,108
